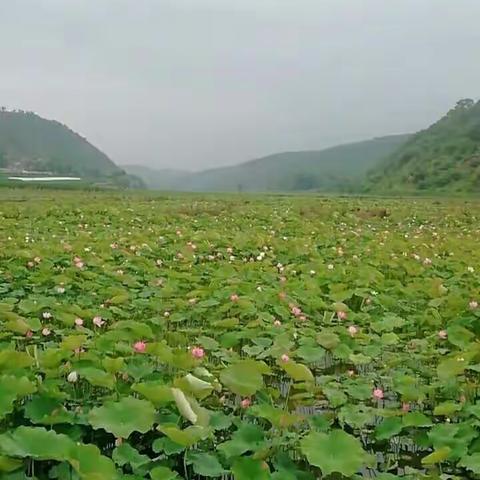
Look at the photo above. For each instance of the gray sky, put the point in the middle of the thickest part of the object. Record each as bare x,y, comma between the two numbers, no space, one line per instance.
200,83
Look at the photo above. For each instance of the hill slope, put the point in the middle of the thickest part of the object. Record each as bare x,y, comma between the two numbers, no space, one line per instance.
443,158
340,168
31,143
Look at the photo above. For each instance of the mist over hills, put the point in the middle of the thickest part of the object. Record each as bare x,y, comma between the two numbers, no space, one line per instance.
444,157
340,168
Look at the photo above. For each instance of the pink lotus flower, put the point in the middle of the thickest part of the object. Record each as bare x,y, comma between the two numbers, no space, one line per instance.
473,305
29,334
113,246
78,322
140,347
302,318
378,393
285,358
79,265
352,330
198,352
442,334
98,322
277,323
405,407
234,297
296,311
342,315
46,332
245,403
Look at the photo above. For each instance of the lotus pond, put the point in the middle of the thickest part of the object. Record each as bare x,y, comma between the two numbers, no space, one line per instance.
238,337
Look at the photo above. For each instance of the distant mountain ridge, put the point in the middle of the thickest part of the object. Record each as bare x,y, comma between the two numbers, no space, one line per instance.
442,158
341,168
30,143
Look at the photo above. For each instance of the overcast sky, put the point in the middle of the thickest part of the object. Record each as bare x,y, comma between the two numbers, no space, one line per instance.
200,83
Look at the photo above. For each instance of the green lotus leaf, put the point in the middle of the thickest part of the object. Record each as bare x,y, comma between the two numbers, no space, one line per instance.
471,463
97,377
297,371
328,340
163,473
113,365
166,445
334,452
451,367
276,416
416,419
459,336
123,417
36,443
194,385
125,454
357,416
205,464
47,411
388,428
244,377
311,353
447,408
437,456
90,464
11,360
187,437
248,438
8,464
157,392
247,468
72,342
11,389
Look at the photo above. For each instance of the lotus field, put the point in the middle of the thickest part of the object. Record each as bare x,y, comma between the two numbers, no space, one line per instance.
238,337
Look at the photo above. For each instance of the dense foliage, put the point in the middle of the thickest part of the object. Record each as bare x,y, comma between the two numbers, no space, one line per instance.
337,169
251,338
29,142
444,157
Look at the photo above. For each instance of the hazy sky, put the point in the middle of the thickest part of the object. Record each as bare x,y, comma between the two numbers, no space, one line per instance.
200,83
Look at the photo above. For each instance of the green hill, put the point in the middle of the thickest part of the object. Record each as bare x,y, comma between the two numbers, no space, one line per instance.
336,169
29,143
159,179
443,158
